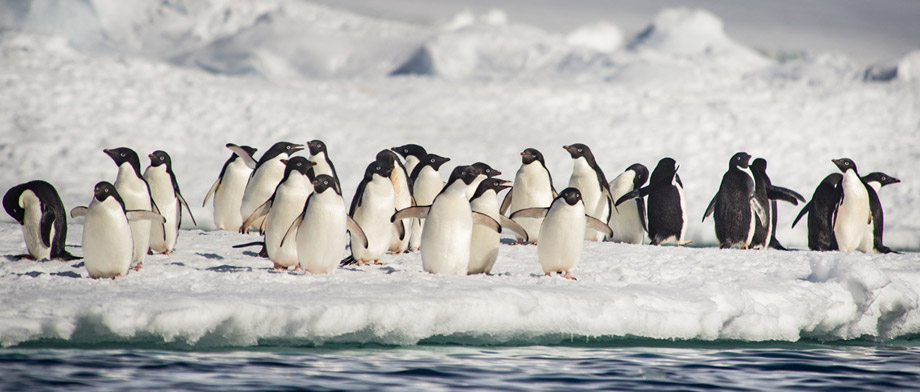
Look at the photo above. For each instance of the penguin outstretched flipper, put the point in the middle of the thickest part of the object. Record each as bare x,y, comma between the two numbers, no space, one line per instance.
256,214
515,227
77,212
485,220
356,230
535,212
805,210
243,154
136,215
598,226
759,211
411,212
506,202
784,194
711,208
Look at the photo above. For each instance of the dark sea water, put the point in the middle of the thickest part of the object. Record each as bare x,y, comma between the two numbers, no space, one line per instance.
641,367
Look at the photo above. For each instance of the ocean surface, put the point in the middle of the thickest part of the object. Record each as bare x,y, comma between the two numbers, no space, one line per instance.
620,365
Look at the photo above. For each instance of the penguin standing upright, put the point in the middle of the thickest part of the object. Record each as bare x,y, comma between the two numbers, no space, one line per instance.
820,210
265,178
667,206
168,200
426,185
134,191
562,241
852,214
628,221
533,188
371,207
412,153
588,177
37,206
767,194
485,171
282,208
323,165
734,205
872,240
229,187
402,197
485,240
108,246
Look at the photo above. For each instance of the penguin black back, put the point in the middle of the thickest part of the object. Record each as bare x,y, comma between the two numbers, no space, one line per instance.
875,205
731,206
665,213
52,210
820,212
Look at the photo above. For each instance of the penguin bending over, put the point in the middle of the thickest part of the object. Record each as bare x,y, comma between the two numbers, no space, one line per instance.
229,187
427,183
372,206
264,179
323,165
402,196
562,242
168,201
667,206
37,206
135,193
872,239
588,177
820,210
485,241
628,223
412,153
533,188
767,194
852,214
735,206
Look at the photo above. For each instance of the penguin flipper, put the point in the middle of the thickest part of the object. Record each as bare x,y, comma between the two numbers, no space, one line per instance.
487,221
156,210
597,225
506,202
533,212
293,228
211,192
784,194
642,218
400,229
77,212
633,194
356,231
136,215
759,211
410,212
258,213
251,163
711,208
802,213
45,226
515,227
182,201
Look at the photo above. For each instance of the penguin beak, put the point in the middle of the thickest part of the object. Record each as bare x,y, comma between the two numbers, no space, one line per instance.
497,173
284,161
296,147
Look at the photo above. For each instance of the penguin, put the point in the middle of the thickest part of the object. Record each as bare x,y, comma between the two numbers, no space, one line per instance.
426,185
852,214
412,153
229,187
767,194
280,210
820,210
448,232
320,229
666,205
562,241
108,246
135,193
872,239
485,171
629,223
735,206
533,188
371,207
168,200
323,165
588,177
265,178
402,196
485,241
37,206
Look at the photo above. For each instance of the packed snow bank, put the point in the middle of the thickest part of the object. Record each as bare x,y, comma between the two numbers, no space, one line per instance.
207,294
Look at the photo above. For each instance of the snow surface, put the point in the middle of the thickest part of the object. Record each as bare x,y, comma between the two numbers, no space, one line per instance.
165,75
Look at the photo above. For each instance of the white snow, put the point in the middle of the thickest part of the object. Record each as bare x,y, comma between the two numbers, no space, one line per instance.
162,77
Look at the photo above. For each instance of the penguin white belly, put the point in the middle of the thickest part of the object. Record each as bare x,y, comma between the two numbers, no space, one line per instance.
322,166
107,242
374,218
447,234
563,238
163,236
411,161
321,235
484,241
586,182
867,245
31,226
403,199
625,220
531,190
427,186
289,200
852,214
135,194
260,187
229,196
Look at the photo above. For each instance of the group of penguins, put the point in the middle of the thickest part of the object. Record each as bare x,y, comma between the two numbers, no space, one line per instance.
402,204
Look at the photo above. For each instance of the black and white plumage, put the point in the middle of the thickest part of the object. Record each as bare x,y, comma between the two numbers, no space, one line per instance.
734,208
852,215
323,164
371,207
485,240
588,177
820,210
485,171
229,187
628,221
168,202
402,197
37,206
533,188
412,153
872,239
135,192
265,178
767,194
666,205
426,183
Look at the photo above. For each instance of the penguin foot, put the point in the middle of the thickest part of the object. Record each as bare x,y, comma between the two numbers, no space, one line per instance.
168,253
24,256
362,263
548,274
297,268
138,266
688,242
377,262
149,252
568,275
277,266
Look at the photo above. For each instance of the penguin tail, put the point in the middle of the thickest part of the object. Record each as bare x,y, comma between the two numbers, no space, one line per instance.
350,260
248,244
66,256
774,243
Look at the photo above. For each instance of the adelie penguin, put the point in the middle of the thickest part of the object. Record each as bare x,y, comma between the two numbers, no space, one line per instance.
319,230
872,239
37,206
736,211
229,187
767,194
449,222
323,165
628,221
588,177
533,188
820,210
402,196
135,192
562,241
485,241
853,214
412,153
485,171
265,178
427,183
666,205
168,201
371,207
280,210
107,237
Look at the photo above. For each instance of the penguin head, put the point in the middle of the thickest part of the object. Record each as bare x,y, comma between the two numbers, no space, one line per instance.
251,151
122,155
531,154
388,157
579,150
881,178
316,146
433,160
103,190
571,196
832,180
408,150
493,184
160,157
759,164
486,169
324,182
298,164
740,159
379,168
641,174
845,164
278,149
466,174
665,171
11,203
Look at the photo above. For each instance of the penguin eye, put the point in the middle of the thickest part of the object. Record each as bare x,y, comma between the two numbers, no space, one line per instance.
432,160
579,150
122,154
106,190
325,182
884,178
